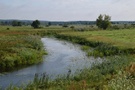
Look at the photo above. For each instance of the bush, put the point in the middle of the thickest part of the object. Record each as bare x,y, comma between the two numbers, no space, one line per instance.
65,26
72,27
8,28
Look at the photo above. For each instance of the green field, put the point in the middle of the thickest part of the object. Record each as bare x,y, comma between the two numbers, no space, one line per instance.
120,38
18,44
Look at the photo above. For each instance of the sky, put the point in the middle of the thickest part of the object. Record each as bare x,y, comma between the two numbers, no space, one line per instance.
67,10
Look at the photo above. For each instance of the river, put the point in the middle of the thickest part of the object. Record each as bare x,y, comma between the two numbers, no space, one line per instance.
62,57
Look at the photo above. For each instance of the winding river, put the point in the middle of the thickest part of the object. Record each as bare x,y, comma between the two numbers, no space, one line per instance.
62,57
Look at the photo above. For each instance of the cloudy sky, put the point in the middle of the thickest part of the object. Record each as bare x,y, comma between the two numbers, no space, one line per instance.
67,10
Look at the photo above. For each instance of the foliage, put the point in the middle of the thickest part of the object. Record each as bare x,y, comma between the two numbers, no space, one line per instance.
16,23
72,27
65,26
8,28
49,23
35,24
103,21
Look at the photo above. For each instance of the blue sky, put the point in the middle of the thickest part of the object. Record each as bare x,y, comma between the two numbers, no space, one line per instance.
67,10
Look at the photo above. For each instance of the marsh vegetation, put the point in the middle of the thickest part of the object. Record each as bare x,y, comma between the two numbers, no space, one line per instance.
19,44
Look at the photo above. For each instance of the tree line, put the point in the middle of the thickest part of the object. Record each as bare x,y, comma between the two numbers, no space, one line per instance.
103,21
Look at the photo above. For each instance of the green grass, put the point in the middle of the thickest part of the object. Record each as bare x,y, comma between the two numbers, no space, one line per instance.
119,38
19,44
103,42
19,49
122,82
105,76
22,46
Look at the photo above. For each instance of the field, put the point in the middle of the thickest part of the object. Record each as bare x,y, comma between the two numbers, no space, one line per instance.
18,44
119,38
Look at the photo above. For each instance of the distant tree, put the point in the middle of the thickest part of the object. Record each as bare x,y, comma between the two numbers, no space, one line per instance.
72,27
103,21
16,23
35,24
19,23
8,28
99,21
49,23
65,26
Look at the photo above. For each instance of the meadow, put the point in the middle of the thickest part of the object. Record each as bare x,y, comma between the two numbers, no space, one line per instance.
18,44
119,38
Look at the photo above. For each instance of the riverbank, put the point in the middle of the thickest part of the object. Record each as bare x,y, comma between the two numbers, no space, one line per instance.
114,45
62,57
101,47
110,75
19,50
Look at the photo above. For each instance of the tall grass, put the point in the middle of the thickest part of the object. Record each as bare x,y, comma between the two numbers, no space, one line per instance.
105,76
19,50
122,82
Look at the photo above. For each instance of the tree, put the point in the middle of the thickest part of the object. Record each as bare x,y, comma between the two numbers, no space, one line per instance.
49,23
16,23
19,23
103,21
72,27
65,26
35,24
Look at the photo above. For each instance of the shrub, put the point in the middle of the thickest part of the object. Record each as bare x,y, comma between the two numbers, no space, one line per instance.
72,27
8,28
65,26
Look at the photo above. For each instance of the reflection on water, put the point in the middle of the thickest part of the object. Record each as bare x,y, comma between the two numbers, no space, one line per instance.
62,57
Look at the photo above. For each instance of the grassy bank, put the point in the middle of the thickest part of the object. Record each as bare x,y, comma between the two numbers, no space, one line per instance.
19,49
105,43
22,46
110,75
